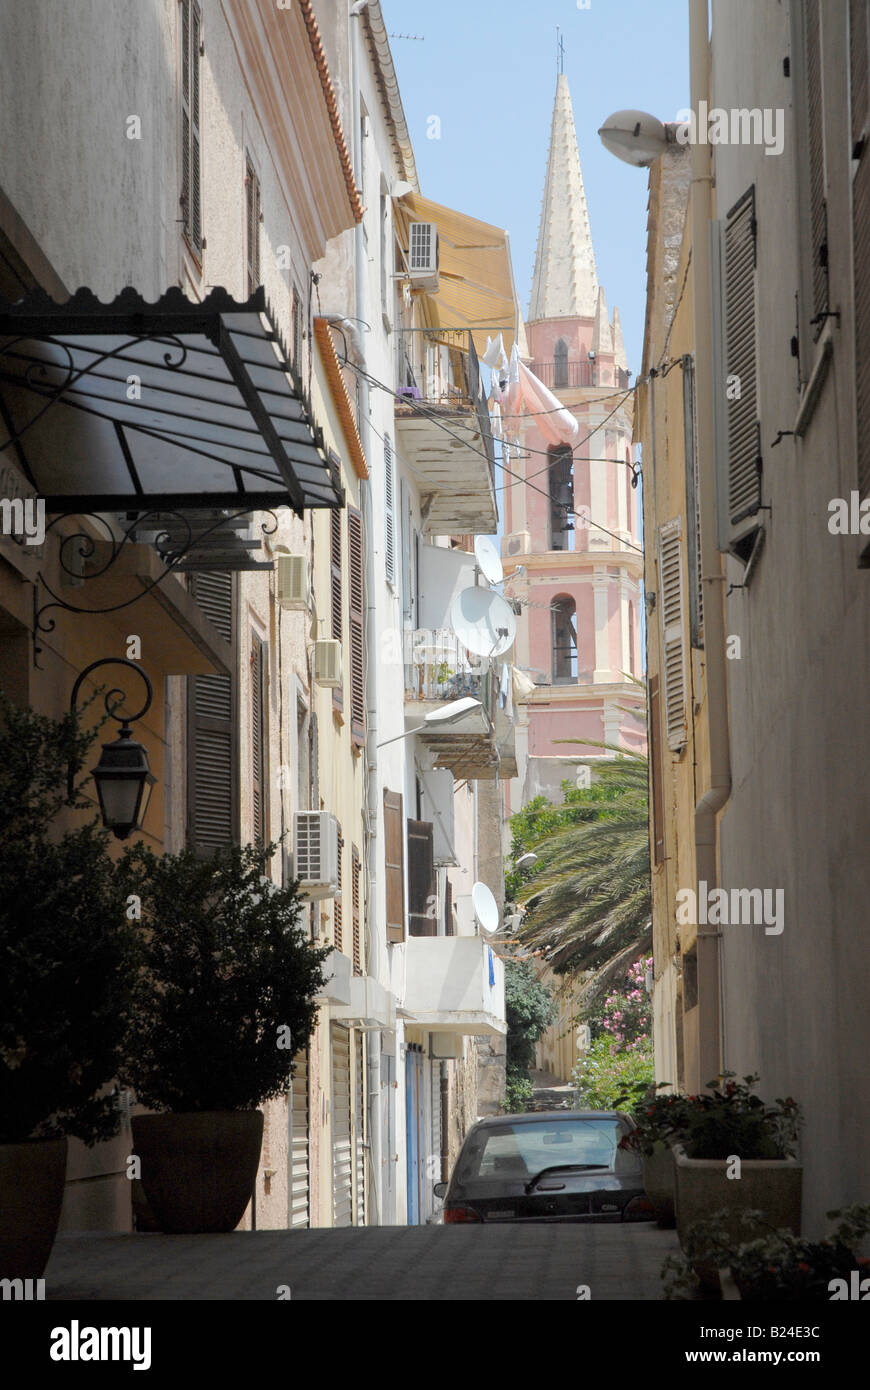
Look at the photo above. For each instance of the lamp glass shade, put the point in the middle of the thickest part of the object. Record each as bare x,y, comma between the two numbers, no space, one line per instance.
124,781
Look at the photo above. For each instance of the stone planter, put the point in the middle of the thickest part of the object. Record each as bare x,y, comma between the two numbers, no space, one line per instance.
659,1182
772,1186
32,1176
198,1170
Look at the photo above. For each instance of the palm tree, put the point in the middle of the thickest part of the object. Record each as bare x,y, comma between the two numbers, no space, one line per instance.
589,897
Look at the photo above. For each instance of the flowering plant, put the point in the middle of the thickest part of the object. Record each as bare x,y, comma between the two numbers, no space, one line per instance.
625,1015
729,1119
659,1121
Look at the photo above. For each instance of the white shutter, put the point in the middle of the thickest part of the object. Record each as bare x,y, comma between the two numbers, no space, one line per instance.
342,1162
673,632
741,368
434,1170
359,1149
299,1170
389,511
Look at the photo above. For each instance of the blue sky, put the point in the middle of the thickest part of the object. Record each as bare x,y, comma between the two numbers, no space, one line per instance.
489,72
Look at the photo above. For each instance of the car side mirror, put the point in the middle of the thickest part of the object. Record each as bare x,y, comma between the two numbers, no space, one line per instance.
440,1189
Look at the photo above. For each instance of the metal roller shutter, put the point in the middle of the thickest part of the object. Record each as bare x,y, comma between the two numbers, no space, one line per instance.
299,1171
342,1156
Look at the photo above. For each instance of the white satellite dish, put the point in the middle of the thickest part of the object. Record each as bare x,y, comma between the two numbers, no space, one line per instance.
483,621
485,908
488,559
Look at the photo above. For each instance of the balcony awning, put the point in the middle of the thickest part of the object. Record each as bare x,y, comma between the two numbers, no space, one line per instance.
174,405
476,285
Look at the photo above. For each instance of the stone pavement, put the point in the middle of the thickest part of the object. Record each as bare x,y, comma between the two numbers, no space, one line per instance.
387,1262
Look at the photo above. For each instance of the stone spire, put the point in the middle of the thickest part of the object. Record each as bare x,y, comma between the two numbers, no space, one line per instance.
565,283
601,339
618,345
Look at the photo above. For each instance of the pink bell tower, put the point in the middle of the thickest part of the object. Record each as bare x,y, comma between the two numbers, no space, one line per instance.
571,545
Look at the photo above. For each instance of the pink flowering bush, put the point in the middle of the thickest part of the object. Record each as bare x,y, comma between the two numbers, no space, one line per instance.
625,1015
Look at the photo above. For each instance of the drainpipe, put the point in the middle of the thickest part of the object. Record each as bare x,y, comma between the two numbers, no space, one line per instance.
711,1042
373,951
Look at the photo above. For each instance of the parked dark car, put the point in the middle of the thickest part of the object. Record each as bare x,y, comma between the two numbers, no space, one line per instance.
556,1165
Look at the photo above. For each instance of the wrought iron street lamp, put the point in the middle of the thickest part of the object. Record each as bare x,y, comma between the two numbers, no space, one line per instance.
123,777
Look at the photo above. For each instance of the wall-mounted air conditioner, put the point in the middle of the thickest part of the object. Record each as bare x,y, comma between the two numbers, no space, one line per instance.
315,853
519,543
294,587
423,255
327,662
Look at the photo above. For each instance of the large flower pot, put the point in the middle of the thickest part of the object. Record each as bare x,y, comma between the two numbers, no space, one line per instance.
198,1170
658,1182
771,1186
32,1176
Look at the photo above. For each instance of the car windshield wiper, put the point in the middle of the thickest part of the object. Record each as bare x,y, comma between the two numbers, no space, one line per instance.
563,1168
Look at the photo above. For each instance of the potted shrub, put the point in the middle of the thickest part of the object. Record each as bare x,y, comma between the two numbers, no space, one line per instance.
777,1265
66,958
223,998
658,1125
736,1153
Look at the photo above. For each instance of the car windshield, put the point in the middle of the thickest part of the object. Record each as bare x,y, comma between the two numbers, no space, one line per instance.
520,1151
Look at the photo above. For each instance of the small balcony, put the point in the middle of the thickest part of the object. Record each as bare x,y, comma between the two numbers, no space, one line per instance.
451,984
567,376
438,670
443,430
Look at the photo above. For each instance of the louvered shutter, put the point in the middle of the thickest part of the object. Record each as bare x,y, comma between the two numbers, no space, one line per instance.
297,332
191,185
389,511
356,870
299,1129
359,1132
394,865
449,928
258,740
336,597
693,505
673,632
421,879
744,460
655,761
356,626
859,45
342,1160
252,223
336,902
211,739
815,156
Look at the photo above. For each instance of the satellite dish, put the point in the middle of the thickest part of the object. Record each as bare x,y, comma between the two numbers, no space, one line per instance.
483,621
488,559
485,908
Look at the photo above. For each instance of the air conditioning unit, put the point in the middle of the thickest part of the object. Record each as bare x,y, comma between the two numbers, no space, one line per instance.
315,853
423,255
294,587
520,543
327,662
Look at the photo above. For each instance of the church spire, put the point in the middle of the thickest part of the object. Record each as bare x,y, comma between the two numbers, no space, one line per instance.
565,283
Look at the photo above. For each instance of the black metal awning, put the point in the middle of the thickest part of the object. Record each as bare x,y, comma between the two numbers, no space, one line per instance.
174,405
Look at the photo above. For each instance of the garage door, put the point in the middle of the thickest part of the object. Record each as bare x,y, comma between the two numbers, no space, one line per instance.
342,1151
299,1169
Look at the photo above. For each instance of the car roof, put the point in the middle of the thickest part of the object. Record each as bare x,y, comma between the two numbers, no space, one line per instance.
534,1117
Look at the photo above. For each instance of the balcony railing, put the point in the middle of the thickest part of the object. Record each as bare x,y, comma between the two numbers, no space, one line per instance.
439,368
437,667
568,375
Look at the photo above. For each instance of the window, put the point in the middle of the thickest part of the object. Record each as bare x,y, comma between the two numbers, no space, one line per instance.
253,218
741,384
564,619
296,319
356,870
336,590
561,478
336,902
356,619
212,768
389,510
394,864
560,364
693,504
630,638
814,137
422,897
259,744
191,173
673,632
385,246
859,44
655,762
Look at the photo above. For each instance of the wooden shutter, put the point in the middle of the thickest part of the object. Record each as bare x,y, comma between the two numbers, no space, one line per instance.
336,902
693,505
449,928
394,865
342,1154
191,182
299,1129
389,511
744,455
336,591
815,156
655,762
258,740
252,223
421,879
673,632
356,626
211,738
359,1129
297,332
355,871
858,63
